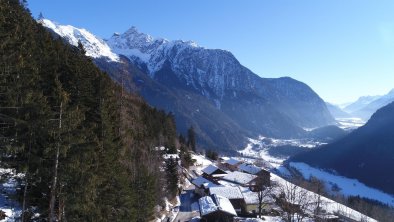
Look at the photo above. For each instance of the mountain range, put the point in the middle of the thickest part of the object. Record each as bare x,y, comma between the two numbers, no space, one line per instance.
359,103
374,103
366,154
362,108
208,89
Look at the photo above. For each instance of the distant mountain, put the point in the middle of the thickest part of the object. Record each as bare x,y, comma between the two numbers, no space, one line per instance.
336,111
366,154
367,111
206,88
360,103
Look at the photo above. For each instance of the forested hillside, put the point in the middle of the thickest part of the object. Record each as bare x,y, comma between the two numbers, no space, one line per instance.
366,154
86,147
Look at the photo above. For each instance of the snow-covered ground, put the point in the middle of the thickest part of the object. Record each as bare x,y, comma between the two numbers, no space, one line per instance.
328,205
347,186
200,163
8,186
350,123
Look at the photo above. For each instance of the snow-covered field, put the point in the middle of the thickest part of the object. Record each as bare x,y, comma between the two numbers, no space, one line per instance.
347,186
350,123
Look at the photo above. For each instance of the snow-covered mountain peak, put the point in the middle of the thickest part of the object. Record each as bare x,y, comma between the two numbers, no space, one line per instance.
133,34
94,46
148,51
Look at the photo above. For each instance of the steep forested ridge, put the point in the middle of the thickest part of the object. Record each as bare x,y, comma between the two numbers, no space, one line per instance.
85,145
366,154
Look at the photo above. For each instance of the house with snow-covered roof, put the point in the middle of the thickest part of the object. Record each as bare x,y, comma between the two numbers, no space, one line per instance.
202,185
232,164
216,208
213,172
240,178
232,193
249,168
263,174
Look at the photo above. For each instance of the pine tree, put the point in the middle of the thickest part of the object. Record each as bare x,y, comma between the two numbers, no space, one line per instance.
172,176
87,152
191,139
40,16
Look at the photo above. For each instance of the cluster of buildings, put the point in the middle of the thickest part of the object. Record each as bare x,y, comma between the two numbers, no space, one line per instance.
230,189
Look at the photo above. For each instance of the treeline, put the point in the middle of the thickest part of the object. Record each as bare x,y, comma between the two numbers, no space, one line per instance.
86,147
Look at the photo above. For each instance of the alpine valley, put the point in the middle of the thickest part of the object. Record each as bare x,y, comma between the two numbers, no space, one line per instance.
208,89
140,128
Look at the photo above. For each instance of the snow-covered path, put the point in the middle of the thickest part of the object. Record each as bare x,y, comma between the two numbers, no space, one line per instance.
189,205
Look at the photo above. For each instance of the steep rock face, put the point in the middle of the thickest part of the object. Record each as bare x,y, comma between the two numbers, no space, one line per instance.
217,75
208,88
364,154
214,129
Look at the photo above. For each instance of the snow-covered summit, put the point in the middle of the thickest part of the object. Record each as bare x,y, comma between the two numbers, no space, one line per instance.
147,50
94,46
209,71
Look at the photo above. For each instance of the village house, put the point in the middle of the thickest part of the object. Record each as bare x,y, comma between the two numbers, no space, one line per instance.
252,202
202,185
216,208
241,179
232,193
263,174
232,164
212,172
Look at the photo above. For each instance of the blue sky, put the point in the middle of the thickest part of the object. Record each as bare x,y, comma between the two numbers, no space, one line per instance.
343,49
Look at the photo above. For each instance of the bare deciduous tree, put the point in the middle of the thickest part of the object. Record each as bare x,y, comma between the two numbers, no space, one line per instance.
264,193
295,201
